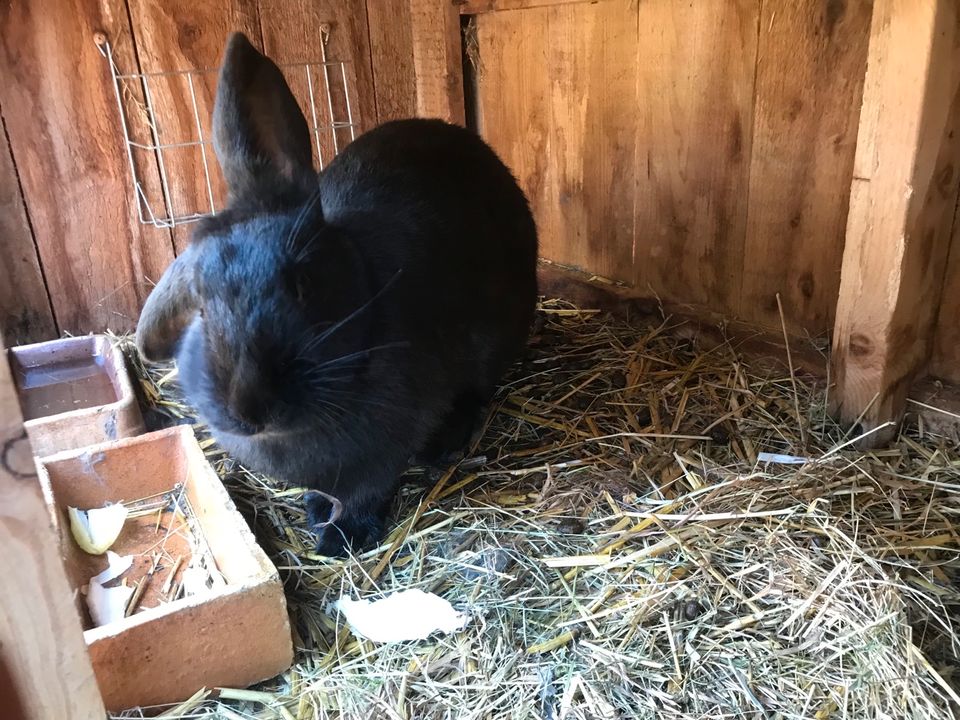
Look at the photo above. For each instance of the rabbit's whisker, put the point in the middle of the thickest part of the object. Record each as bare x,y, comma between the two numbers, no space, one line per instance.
291,240
339,324
336,362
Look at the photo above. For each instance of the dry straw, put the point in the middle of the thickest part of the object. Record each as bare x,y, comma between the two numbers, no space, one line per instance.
623,554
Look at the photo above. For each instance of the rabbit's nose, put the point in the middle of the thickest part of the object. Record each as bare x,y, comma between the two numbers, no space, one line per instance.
248,410
247,420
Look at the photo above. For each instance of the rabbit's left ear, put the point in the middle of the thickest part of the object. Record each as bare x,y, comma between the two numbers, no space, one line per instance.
170,307
260,135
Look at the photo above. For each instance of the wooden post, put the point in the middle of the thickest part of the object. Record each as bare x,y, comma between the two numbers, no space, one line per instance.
901,206
437,59
45,671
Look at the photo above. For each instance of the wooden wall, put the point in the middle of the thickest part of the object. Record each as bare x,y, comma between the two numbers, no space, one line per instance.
699,152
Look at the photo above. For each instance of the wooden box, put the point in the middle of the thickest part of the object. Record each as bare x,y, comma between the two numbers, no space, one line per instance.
233,636
74,392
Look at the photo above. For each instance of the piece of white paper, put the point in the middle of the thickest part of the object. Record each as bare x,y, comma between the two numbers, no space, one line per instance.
406,615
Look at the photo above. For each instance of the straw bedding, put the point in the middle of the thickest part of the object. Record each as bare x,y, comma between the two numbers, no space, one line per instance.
622,552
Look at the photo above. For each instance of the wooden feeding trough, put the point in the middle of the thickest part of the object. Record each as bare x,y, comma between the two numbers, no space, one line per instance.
74,392
178,635
172,643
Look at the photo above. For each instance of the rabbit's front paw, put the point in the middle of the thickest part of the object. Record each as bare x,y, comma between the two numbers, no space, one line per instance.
351,532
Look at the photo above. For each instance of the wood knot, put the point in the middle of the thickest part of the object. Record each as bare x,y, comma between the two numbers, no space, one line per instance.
860,345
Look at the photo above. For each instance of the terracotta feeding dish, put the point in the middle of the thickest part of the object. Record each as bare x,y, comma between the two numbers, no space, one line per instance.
74,392
202,604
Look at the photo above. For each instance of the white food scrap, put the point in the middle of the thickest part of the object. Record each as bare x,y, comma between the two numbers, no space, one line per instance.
97,529
407,615
107,605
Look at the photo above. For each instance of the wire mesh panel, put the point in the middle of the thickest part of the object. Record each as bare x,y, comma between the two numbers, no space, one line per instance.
168,136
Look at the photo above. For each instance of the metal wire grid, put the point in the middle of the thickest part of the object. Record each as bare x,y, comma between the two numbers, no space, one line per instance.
331,72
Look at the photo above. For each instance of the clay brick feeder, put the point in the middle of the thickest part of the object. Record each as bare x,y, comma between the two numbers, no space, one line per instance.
200,604
74,392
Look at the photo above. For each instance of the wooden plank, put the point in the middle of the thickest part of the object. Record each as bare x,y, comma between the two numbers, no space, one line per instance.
45,671
475,7
556,99
178,36
810,68
437,66
25,313
64,130
695,103
945,362
391,50
902,201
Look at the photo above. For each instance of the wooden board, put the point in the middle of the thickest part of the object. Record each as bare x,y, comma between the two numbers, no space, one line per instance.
25,313
945,362
696,82
555,99
61,117
902,202
391,56
45,670
629,127
810,68
435,32
474,7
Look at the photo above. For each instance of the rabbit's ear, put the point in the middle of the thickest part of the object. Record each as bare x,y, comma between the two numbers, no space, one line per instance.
259,133
171,306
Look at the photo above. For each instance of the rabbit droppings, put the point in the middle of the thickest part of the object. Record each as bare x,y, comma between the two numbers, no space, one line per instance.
330,328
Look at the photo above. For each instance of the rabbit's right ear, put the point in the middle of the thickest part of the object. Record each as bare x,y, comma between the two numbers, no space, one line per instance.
170,307
260,135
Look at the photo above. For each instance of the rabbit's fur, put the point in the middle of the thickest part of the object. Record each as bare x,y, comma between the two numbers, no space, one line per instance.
328,331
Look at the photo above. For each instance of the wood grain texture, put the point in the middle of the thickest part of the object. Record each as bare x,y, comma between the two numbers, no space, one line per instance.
557,91
902,202
25,313
696,80
61,116
437,66
474,7
945,363
811,62
45,671
391,52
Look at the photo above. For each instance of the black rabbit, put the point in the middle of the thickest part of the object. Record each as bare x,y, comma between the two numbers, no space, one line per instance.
328,330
